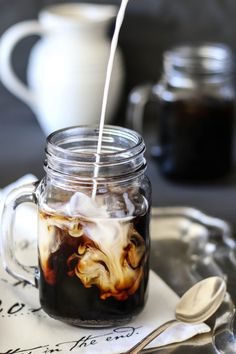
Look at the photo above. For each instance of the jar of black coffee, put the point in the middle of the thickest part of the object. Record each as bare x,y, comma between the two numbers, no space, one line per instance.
196,96
196,104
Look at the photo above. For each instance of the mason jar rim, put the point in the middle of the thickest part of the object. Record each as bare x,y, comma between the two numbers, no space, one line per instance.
71,154
53,140
206,57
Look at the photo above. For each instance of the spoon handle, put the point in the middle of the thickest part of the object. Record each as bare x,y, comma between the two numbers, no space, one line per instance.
146,340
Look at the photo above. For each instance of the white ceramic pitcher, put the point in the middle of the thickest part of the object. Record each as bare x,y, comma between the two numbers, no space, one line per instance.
67,66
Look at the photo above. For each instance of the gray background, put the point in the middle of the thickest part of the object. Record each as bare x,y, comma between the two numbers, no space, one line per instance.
150,27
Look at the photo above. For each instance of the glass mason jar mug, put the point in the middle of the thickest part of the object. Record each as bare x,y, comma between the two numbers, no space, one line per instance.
93,229
195,97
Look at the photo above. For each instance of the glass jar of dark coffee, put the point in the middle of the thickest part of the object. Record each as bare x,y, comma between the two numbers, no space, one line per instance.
93,229
196,107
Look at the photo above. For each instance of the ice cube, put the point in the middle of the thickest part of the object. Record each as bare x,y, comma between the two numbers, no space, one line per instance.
81,204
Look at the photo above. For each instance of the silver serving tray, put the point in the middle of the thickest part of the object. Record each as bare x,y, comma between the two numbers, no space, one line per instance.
186,246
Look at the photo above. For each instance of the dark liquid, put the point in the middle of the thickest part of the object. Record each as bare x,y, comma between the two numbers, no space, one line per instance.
196,138
64,296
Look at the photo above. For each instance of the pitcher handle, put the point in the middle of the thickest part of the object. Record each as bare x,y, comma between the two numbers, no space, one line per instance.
7,43
137,100
23,194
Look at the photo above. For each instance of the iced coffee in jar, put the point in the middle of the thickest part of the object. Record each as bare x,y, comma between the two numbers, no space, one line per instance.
93,230
196,96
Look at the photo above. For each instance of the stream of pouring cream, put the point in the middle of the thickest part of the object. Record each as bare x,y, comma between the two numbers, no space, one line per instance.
119,21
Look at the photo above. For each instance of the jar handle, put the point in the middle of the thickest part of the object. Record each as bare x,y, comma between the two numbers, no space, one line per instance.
23,194
8,41
137,100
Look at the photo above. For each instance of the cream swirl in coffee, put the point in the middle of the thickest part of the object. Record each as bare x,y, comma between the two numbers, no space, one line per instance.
93,249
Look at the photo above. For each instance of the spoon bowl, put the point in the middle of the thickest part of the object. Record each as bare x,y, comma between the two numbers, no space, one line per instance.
198,304
201,301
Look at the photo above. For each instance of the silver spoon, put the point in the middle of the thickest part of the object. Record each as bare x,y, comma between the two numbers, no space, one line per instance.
198,304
